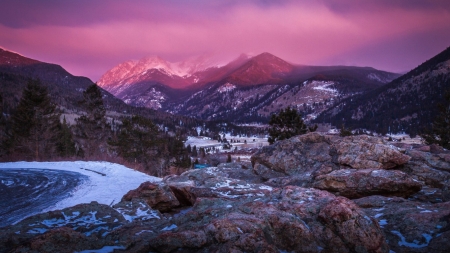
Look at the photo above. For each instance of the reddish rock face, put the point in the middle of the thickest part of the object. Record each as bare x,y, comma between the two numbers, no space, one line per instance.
315,154
364,152
353,183
298,155
157,196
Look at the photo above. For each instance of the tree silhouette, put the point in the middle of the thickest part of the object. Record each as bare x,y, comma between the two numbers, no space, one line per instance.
440,130
286,124
35,123
92,128
66,145
137,140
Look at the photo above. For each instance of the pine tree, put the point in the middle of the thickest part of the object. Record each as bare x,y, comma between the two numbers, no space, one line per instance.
440,131
189,149
92,127
66,144
137,140
35,123
179,152
4,137
286,124
344,131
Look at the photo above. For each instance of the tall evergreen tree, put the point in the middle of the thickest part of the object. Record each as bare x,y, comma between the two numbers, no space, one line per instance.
440,131
3,130
194,151
35,123
286,124
92,127
137,141
66,144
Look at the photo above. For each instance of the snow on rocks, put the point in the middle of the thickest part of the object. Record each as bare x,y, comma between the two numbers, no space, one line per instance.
226,88
406,226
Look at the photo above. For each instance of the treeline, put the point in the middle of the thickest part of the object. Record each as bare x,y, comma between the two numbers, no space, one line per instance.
35,130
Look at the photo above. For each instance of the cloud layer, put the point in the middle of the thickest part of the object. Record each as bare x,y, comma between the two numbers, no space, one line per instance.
90,37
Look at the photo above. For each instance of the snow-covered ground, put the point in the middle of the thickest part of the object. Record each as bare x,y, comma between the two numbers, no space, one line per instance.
240,142
107,182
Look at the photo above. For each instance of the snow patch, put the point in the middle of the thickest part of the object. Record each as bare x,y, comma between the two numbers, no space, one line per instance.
106,249
226,88
415,243
168,228
323,86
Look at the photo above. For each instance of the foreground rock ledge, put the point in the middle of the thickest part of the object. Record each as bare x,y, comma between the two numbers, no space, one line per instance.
228,215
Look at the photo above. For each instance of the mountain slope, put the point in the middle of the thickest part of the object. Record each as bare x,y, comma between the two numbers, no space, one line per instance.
407,104
263,68
311,94
65,89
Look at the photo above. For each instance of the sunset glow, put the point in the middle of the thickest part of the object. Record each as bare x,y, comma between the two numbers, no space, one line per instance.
90,37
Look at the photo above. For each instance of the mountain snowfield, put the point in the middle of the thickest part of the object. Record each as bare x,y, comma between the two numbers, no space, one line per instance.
107,182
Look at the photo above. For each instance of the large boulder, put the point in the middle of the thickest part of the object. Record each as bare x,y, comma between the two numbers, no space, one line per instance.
301,158
301,155
363,152
353,183
157,195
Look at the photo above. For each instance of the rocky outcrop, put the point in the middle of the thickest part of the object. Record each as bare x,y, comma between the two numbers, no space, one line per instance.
332,163
288,219
313,152
353,183
157,196
228,214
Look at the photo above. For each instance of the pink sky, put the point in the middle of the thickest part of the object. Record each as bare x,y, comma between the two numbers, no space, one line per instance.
89,37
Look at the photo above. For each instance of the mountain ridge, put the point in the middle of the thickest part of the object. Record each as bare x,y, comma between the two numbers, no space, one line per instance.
264,74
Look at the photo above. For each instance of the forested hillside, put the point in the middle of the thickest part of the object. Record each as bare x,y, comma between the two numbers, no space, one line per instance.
408,104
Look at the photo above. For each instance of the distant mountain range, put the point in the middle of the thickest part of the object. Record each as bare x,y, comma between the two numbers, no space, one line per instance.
407,104
247,89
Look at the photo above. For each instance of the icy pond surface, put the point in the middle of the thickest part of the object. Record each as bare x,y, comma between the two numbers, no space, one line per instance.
25,191
28,188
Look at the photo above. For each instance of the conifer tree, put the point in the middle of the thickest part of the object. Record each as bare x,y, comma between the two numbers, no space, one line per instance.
440,130
66,144
92,127
3,130
343,132
194,151
35,123
137,140
286,124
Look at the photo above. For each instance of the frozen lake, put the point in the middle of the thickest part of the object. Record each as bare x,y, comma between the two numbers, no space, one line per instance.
25,191
28,188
